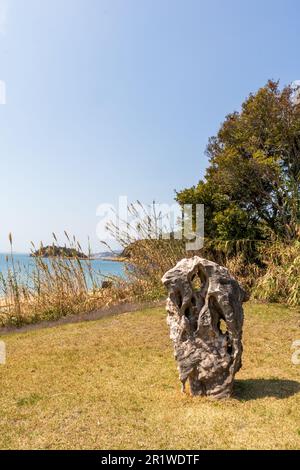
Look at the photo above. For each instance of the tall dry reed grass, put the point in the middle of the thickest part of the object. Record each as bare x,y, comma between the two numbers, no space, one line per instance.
281,280
52,288
58,286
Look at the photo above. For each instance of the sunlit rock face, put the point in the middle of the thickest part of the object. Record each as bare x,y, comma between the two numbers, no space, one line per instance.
205,316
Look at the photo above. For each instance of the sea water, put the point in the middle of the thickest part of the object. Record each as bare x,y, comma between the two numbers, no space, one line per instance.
24,265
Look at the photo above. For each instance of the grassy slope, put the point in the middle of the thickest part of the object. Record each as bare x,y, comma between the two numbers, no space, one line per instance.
113,384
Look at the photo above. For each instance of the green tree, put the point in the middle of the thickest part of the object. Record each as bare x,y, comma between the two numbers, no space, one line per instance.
252,184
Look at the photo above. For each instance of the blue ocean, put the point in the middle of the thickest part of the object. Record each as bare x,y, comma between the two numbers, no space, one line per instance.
25,264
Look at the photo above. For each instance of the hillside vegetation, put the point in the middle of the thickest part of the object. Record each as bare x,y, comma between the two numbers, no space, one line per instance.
62,251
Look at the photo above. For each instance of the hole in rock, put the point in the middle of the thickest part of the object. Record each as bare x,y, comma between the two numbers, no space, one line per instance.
197,281
178,299
222,326
187,312
192,318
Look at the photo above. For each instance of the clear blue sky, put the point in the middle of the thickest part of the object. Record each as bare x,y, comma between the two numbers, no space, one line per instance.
119,97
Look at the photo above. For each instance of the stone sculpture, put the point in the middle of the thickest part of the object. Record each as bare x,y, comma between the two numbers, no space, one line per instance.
207,354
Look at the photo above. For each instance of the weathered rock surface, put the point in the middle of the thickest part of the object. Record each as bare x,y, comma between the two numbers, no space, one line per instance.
202,296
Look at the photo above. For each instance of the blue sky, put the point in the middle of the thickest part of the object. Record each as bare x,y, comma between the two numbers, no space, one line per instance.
119,97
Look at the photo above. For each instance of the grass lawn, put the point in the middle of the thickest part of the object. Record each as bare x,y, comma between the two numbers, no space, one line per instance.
113,383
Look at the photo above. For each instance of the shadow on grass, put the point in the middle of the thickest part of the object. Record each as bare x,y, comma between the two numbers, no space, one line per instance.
252,389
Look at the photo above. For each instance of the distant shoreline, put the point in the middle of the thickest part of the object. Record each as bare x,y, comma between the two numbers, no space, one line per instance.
119,259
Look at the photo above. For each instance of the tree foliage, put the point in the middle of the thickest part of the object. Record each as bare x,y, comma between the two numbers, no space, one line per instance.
251,187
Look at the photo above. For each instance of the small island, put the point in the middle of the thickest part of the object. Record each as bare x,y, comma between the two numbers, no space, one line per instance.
58,251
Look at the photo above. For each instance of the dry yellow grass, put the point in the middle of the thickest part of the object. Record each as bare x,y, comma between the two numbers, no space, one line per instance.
113,384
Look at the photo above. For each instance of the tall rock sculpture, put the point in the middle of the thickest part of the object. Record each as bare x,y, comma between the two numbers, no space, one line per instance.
208,353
